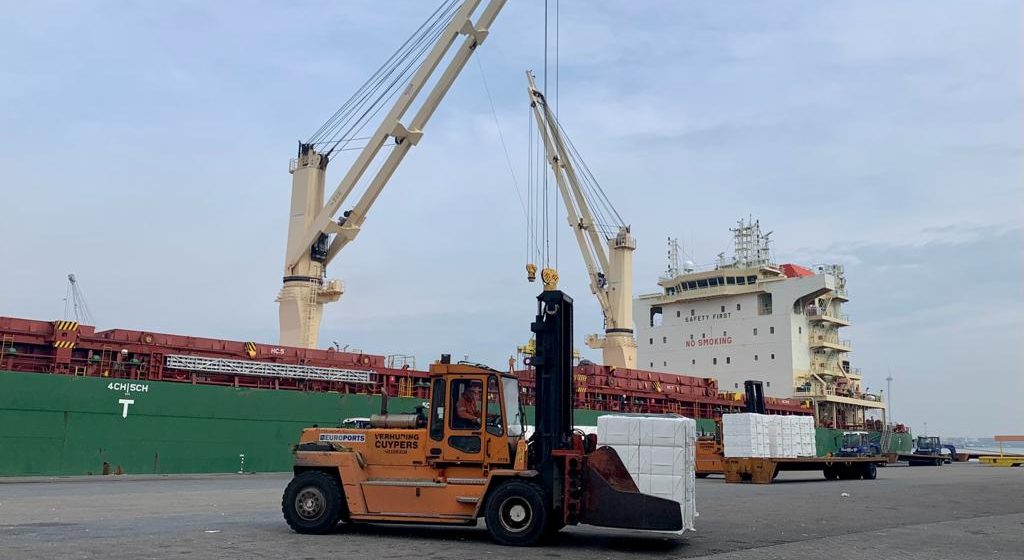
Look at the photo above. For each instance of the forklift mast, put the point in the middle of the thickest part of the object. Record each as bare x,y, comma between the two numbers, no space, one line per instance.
755,396
552,365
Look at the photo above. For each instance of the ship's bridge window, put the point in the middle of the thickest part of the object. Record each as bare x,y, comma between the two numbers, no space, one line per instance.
691,285
730,280
751,279
741,280
702,283
656,316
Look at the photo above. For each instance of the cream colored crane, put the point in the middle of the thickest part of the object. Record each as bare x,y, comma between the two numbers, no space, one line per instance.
607,249
315,236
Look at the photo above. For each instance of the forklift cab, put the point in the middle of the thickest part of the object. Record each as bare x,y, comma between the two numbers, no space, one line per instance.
475,416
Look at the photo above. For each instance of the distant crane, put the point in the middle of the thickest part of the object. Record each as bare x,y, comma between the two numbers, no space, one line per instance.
607,244
75,305
314,235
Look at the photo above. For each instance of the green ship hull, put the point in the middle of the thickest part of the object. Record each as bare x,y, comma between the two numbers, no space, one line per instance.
64,425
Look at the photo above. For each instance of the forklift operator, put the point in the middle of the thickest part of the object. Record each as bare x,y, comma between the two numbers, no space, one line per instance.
467,410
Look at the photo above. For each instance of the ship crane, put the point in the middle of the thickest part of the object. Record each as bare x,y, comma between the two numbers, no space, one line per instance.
315,234
607,244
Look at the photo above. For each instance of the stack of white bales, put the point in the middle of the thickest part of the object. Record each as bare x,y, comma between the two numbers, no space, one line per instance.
804,433
658,452
745,435
760,435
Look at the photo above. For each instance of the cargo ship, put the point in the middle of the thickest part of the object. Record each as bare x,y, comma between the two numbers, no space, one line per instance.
76,401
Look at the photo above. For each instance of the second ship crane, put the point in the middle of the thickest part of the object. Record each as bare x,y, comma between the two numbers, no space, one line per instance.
315,235
607,245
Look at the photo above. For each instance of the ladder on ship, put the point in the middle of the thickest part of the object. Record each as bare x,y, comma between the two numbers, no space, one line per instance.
7,348
885,442
405,386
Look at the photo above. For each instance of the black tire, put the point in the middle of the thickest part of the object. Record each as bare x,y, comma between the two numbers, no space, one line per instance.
555,524
870,471
516,514
831,473
313,503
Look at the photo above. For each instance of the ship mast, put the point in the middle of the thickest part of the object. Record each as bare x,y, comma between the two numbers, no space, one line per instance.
315,236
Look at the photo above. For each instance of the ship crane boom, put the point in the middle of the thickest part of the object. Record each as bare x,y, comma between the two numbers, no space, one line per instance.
315,235
607,249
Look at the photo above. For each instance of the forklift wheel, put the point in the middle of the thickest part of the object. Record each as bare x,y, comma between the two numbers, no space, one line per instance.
313,503
516,514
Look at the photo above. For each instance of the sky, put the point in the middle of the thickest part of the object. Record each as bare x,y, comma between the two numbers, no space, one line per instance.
145,146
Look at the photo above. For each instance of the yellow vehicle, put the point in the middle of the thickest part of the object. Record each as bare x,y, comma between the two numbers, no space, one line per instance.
465,458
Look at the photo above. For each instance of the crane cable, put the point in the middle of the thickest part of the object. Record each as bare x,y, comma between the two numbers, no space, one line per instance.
343,127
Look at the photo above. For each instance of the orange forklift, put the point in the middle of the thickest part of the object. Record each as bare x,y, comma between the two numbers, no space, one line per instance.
466,458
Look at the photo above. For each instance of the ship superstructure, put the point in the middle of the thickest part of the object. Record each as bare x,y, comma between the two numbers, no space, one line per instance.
747,317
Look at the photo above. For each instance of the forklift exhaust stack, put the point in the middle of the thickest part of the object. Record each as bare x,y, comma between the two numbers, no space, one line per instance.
611,498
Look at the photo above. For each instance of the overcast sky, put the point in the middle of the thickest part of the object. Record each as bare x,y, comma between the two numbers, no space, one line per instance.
144,147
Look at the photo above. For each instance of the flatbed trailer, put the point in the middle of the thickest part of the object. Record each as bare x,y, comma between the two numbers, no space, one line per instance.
762,470
922,459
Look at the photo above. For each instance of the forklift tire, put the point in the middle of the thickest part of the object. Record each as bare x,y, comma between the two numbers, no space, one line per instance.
313,503
516,514
870,471
555,524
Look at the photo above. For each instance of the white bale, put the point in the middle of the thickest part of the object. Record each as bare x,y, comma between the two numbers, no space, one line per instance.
630,456
618,430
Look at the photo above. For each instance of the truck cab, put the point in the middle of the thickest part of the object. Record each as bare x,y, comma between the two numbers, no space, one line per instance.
857,444
928,450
